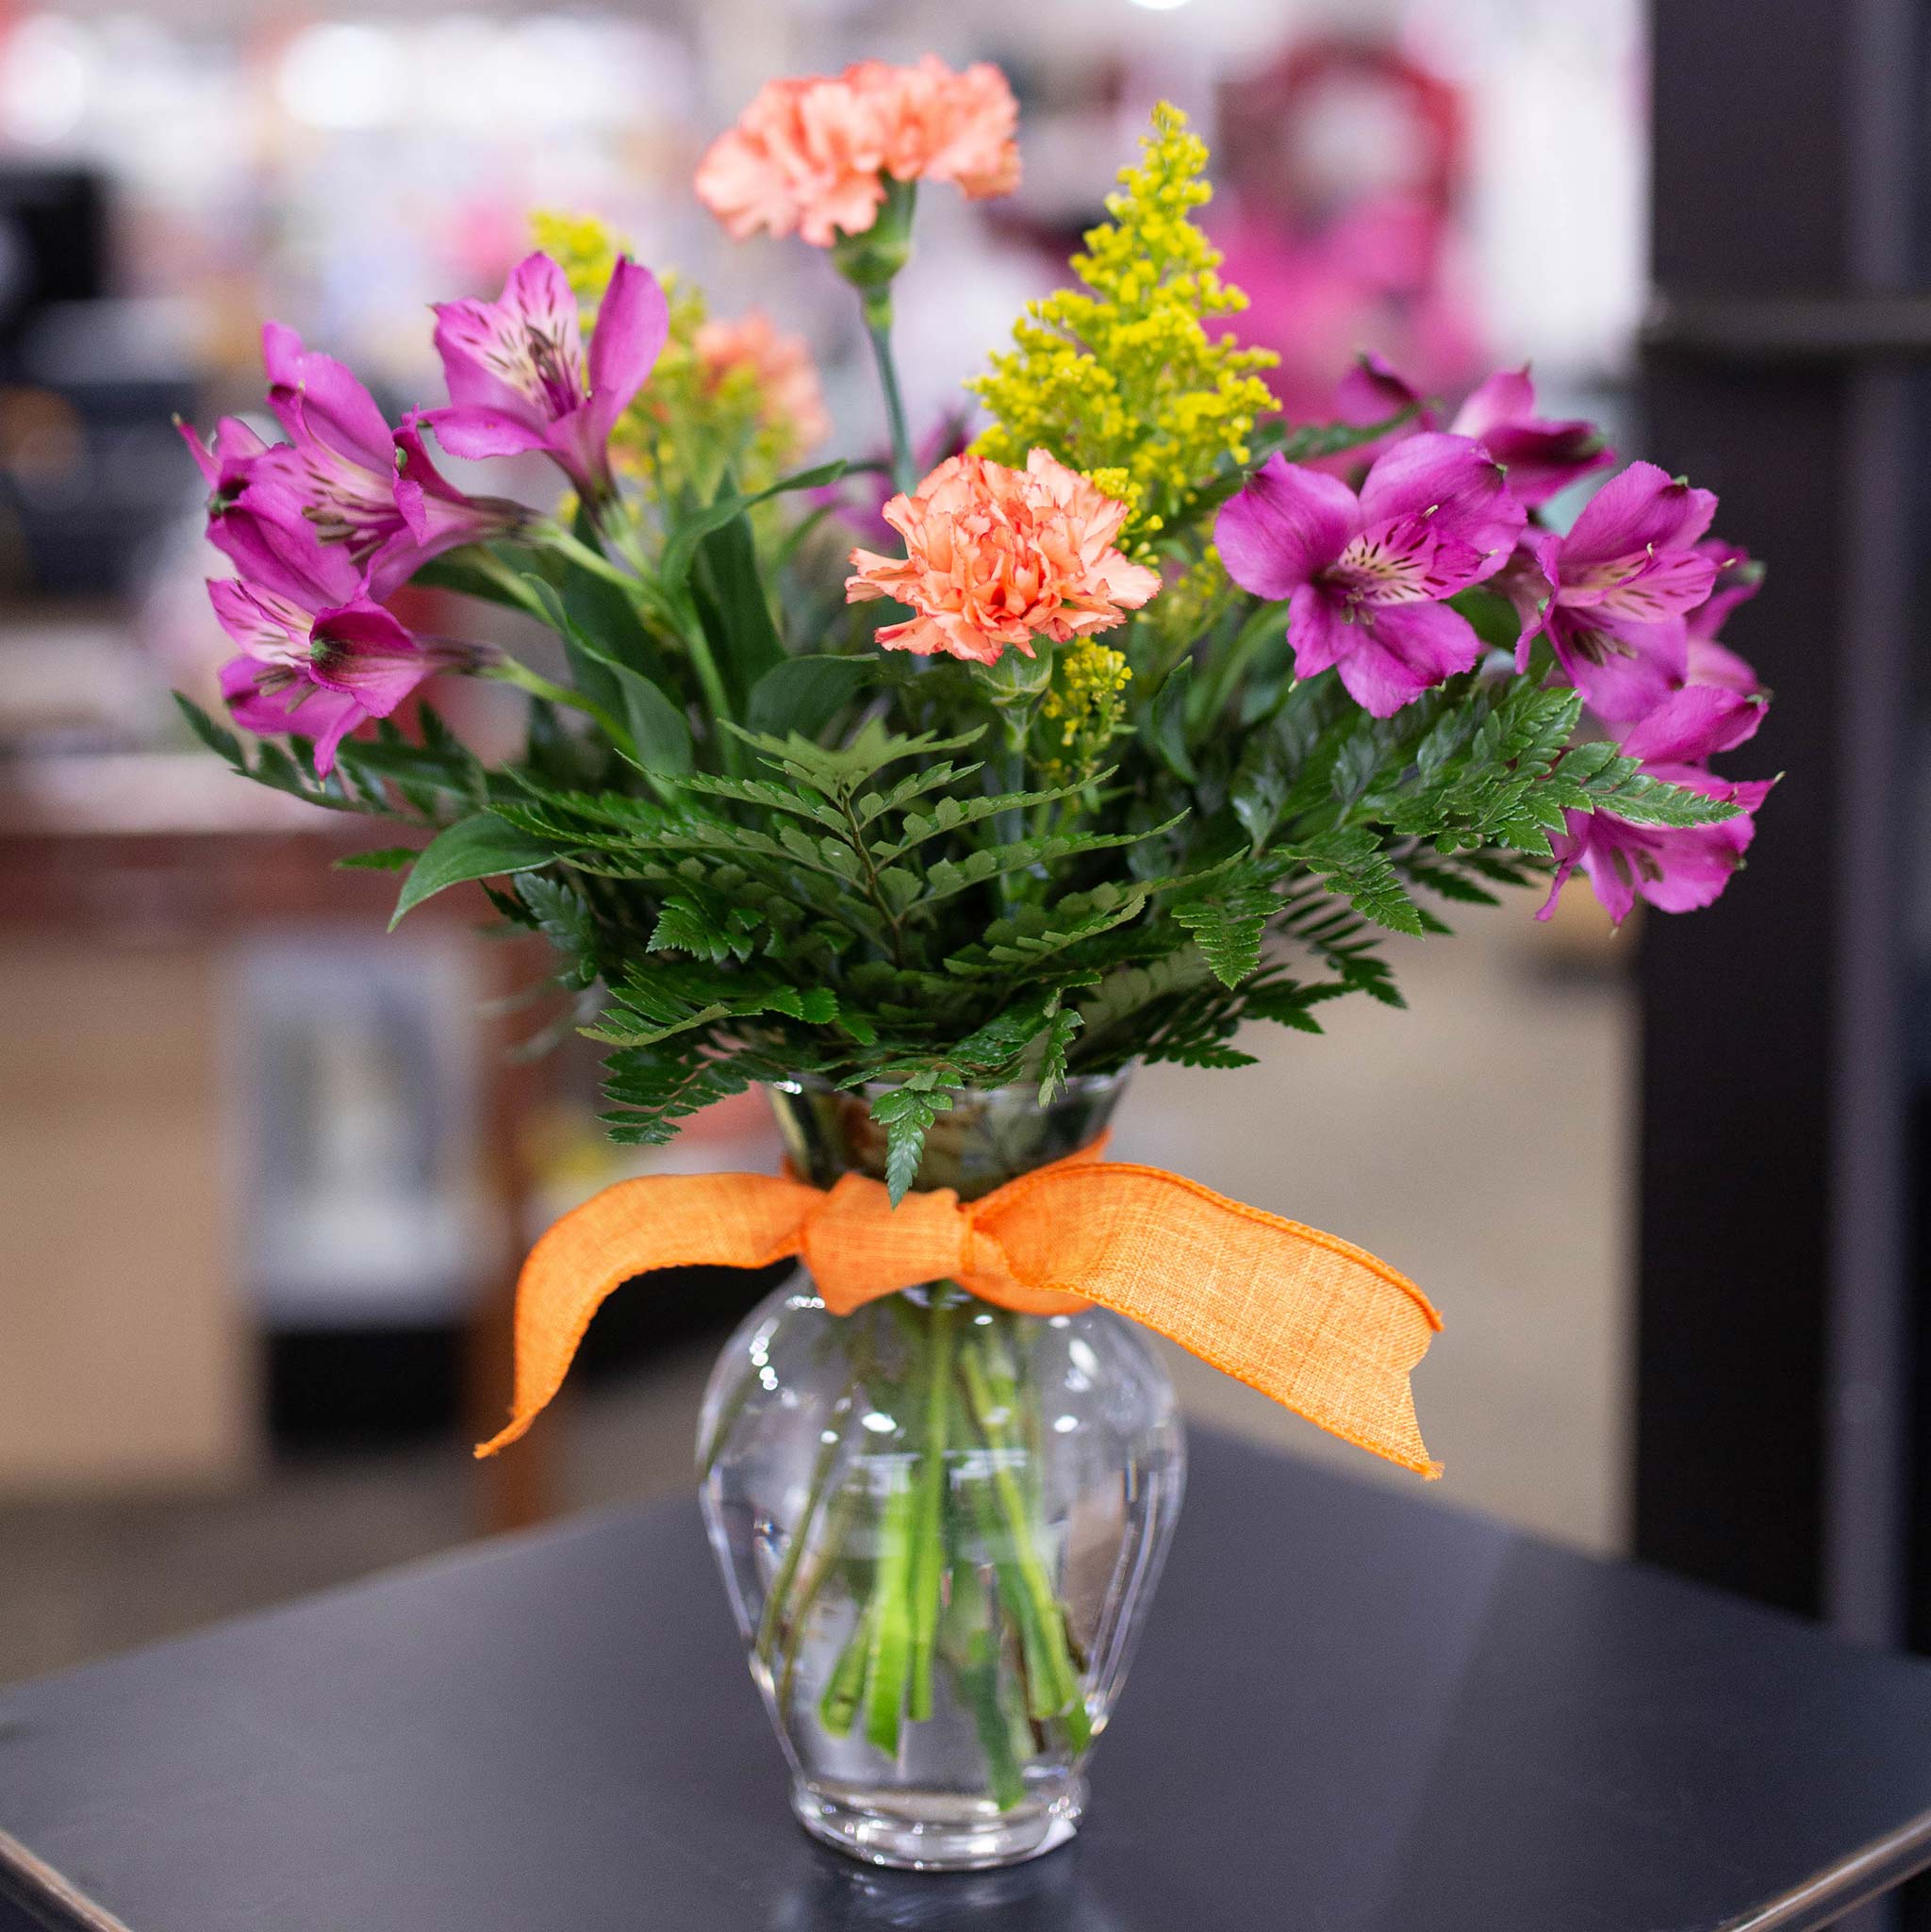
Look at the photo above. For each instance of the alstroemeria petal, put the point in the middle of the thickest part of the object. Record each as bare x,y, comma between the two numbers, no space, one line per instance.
1401,651
1710,663
1456,484
363,650
315,395
292,703
1638,510
270,629
1693,725
1508,396
1284,527
477,432
273,543
632,325
1666,585
1567,848
1624,670
1372,390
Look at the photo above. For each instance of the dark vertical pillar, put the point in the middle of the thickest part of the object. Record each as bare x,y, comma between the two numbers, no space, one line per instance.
1771,1355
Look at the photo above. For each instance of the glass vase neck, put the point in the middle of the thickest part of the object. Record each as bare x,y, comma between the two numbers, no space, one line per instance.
991,1136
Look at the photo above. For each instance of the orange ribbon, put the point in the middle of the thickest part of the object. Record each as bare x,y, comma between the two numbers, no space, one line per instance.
1317,1324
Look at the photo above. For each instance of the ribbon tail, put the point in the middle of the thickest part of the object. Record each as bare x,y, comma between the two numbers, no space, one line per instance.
659,1221
1318,1324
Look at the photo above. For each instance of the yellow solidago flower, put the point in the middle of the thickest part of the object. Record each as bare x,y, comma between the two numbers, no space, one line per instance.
1081,710
1120,378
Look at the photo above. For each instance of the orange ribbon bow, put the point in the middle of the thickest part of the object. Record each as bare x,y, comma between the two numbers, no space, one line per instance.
1320,1326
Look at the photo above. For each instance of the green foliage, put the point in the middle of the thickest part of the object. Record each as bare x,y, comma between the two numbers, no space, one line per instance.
480,847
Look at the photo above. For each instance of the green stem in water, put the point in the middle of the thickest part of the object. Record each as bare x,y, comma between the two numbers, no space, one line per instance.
972,1642
889,1660
930,1549
991,1396
838,1521
839,1704
778,1598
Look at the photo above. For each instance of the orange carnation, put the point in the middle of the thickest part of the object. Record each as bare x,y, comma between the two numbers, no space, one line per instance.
782,366
809,156
997,556
946,126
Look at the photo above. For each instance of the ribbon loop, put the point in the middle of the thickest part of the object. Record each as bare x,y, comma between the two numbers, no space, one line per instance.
1320,1326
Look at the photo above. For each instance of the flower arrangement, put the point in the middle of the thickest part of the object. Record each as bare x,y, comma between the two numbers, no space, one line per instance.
1139,720
1088,793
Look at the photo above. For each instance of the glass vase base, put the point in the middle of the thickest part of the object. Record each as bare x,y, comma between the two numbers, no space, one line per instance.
937,1831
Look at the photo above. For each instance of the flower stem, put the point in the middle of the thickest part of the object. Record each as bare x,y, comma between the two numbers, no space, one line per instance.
567,543
512,672
878,326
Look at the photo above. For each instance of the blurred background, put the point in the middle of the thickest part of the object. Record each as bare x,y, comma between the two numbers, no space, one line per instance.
265,1172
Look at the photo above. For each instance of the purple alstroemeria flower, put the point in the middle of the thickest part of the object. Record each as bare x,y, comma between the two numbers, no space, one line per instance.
1364,576
228,466
1541,456
1612,595
519,379
271,702
1737,578
1677,869
374,492
319,654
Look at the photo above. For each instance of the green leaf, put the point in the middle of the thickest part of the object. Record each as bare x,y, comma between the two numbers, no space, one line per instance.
1353,864
729,595
660,733
386,858
955,815
946,878
564,918
804,694
839,771
479,846
1167,727
656,1088
1057,1041
689,530
706,929
658,997
1627,792
906,1112
217,737
1228,926
768,795
1490,615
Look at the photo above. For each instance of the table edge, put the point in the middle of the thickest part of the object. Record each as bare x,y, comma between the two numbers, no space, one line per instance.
1855,1879
37,1885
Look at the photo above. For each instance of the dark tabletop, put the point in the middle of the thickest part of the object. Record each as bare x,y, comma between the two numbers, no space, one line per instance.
1353,1713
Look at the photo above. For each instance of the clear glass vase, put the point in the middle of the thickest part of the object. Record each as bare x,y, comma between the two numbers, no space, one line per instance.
940,1523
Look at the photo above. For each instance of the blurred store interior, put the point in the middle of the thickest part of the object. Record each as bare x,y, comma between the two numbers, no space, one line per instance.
267,1169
